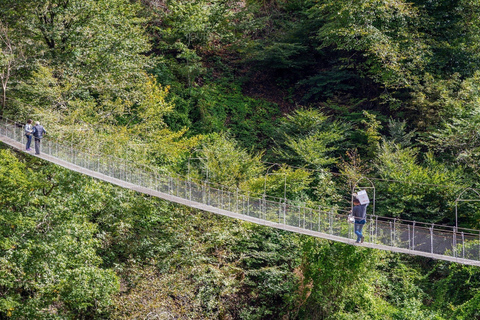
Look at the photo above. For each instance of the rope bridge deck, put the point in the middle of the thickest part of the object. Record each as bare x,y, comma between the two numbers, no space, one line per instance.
428,240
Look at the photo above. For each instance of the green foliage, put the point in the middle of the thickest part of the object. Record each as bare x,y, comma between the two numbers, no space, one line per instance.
426,191
398,134
327,84
49,262
454,41
66,241
372,128
456,135
285,182
279,56
307,137
226,163
196,23
216,108
340,281
384,34
268,257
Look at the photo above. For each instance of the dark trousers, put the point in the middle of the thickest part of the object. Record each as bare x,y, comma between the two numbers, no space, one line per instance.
37,146
29,140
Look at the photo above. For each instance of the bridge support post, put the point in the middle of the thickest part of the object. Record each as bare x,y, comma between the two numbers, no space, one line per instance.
431,239
409,238
279,212
236,203
263,209
391,237
304,216
413,236
330,218
319,219
394,231
454,242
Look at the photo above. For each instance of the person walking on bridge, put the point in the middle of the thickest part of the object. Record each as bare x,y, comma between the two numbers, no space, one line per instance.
359,212
28,134
38,132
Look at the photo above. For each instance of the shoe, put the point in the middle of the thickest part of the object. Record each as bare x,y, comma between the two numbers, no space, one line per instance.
357,241
361,240
37,153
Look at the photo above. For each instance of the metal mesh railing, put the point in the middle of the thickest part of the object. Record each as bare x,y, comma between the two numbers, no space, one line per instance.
414,236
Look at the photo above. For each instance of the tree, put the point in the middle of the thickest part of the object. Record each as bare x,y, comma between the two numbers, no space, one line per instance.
6,59
48,258
226,163
378,39
94,50
414,188
308,137
456,135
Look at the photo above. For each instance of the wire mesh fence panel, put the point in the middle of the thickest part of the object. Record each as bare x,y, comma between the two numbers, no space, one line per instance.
232,200
292,215
442,242
184,189
255,207
102,166
340,225
163,183
272,211
323,224
423,239
197,193
471,247
401,235
383,234
311,217
213,197
371,230
173,186
242,204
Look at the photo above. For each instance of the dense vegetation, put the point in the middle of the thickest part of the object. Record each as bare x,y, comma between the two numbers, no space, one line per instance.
313,92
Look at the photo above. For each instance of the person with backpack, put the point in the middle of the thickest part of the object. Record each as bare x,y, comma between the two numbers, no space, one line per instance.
28,134
38,132
359,213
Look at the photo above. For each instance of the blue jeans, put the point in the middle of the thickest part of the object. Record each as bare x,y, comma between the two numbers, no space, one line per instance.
358,229
29,141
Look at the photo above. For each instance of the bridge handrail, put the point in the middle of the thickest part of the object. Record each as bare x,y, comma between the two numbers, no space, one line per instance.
410,235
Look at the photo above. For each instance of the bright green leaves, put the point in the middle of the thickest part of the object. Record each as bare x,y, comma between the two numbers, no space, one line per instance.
15,182
197,23
338,280
89,61
85,288
283,182
226,163
48,248
426,191
381,38
309,137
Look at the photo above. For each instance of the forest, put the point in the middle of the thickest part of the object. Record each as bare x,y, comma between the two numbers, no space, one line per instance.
315,94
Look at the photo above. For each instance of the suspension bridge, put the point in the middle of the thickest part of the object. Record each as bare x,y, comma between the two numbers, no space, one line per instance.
429,240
